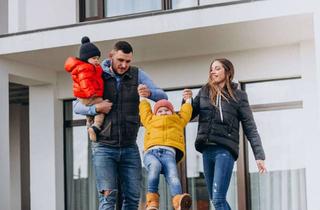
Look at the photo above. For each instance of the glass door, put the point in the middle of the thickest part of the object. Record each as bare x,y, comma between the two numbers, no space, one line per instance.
80,188
281,121
195,183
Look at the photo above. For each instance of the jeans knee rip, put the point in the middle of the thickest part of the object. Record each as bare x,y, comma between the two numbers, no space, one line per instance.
107,193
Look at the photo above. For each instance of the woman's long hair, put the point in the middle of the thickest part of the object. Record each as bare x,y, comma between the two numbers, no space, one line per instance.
214,89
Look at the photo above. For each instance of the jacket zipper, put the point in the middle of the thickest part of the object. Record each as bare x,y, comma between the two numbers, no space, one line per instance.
119,112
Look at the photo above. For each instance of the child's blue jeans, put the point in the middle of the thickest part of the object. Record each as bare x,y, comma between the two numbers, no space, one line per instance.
163,161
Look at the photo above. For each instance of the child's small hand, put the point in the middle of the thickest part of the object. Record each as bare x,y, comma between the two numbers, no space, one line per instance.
187,94
143,91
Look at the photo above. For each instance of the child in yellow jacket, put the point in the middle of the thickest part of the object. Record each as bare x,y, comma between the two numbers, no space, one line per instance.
164,147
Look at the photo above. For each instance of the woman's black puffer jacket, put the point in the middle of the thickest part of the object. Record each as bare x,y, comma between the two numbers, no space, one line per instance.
217,128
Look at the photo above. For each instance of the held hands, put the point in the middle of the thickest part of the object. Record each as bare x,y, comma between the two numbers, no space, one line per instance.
187,94
104,107
144,91
261,166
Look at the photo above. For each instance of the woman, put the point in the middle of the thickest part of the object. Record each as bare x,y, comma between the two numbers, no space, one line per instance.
221,106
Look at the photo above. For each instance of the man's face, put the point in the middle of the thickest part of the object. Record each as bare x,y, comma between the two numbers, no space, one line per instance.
120,61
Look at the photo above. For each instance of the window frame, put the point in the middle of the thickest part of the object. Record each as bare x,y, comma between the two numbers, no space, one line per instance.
243,173
82,11
166,6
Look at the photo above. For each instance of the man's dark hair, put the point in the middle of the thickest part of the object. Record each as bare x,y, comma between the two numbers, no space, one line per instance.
123,46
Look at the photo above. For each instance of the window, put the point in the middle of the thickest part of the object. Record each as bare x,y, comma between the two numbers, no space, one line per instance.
99,9
281,121
90,10
206,2
80,188
194,176
177,4
124,7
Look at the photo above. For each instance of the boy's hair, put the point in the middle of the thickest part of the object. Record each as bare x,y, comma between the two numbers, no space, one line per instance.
88,49
123,46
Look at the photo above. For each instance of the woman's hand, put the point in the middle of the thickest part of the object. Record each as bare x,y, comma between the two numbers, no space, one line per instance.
261,166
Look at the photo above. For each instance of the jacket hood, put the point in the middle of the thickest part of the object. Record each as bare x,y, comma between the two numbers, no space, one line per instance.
234,85
106,64
71,63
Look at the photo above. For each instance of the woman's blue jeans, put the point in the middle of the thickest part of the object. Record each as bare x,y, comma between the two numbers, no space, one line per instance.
114,164
159,161
218,164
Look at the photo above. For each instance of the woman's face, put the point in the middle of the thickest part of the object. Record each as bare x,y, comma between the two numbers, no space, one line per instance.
217,73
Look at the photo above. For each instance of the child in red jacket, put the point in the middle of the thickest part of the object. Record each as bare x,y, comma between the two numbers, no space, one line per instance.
86,74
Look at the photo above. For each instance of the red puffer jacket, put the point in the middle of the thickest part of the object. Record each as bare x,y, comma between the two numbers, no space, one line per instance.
87,80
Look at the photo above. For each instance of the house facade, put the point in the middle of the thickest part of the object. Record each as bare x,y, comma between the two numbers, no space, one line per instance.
273,44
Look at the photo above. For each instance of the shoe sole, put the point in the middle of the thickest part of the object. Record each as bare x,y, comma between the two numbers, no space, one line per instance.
185,202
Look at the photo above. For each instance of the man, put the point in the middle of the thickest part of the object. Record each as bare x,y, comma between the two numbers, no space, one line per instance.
115,154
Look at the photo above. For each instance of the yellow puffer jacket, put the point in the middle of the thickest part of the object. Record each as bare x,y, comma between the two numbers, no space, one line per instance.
165,130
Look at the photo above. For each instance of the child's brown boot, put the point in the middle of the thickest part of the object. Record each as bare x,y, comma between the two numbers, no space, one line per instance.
152,201
182,202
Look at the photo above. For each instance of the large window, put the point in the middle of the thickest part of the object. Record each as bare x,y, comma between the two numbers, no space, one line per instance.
194,175
80,189
124,7
99,9
281,121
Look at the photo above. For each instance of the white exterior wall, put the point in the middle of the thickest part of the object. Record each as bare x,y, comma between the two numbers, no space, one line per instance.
27,74
37,14
3,16
46,140
250,65
5,181
46,149
313,145
64,84
193,19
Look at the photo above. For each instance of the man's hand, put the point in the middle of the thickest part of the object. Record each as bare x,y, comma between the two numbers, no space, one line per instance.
187,93
104,107
144,91
261,166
